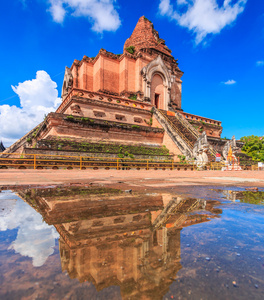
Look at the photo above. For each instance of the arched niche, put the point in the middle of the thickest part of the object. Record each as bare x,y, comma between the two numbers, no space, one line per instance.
156,77
157,91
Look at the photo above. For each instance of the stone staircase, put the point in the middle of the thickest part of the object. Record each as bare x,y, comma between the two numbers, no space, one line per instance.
182,128
181,132
176,208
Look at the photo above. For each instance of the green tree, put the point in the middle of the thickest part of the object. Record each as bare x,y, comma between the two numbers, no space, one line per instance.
254,147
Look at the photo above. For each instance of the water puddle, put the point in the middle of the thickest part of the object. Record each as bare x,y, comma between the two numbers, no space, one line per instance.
192,243
252,196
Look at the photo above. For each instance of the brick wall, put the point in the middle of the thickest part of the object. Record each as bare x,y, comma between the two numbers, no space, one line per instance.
97,75
93,110
167,141
110,73
145,36
57,126
115,73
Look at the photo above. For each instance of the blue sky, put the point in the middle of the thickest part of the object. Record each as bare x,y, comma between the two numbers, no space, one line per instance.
219,44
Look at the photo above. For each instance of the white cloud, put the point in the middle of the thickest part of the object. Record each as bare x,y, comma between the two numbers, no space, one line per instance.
35,238
203,17
57,11
180,2
37,97
165,8
230,82
101,13
260,63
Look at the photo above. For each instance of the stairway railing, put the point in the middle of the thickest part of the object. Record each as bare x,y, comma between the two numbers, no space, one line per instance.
189,143
187,126
191,129
174,210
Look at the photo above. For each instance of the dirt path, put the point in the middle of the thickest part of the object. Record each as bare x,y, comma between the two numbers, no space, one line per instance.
150,178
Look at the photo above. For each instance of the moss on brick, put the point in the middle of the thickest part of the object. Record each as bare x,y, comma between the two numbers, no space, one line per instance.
84,146
105,125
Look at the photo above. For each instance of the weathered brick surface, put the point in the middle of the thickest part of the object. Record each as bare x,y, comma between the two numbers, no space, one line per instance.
110,74
57,125
167,141
109,113
145,36
110,78
118,73
212,127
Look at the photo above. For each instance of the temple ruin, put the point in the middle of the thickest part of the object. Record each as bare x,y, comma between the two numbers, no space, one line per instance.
128,100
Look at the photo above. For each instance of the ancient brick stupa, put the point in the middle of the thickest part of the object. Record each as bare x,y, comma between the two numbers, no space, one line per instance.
130,101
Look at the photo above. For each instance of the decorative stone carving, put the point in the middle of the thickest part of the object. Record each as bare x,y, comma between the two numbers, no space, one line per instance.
67,82
157,66
146,99
231,143
200,150
231,161
138,120
76,110
175,95
99,113
156,34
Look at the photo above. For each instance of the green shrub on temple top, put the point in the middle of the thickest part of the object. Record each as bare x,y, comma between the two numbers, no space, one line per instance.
130,49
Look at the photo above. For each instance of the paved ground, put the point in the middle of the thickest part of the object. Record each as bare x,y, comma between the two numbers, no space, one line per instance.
142,178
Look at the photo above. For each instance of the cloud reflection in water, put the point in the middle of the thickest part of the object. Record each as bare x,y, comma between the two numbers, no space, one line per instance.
35,238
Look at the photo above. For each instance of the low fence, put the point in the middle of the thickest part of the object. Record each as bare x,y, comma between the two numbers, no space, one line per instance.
216,166
257,167
47,161
38,161
219,165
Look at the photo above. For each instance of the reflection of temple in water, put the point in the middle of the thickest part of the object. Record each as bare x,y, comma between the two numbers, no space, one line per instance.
113,238
229,194
252,195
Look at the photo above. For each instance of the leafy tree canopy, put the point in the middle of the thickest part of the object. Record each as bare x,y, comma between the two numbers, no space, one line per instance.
254,147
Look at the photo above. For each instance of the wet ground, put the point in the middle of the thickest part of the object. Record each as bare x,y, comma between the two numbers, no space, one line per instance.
135,178
156,242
